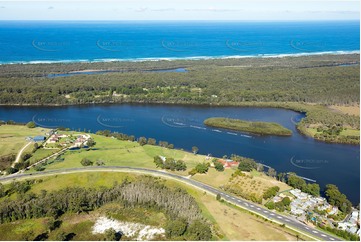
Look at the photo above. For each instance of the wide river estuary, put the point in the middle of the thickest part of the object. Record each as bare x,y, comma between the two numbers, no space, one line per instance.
183,126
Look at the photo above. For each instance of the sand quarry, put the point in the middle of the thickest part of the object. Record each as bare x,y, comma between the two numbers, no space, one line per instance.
132,230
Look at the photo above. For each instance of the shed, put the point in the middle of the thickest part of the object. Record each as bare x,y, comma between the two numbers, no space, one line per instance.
39,138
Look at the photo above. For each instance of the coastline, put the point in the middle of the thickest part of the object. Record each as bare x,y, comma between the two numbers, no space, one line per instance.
194,58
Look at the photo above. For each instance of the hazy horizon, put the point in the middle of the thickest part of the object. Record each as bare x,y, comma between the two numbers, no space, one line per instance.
177,10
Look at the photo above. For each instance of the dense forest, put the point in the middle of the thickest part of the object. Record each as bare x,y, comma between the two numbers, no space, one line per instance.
206,82
148,192
290,82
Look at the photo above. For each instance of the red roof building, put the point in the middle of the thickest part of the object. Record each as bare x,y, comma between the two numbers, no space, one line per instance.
228,163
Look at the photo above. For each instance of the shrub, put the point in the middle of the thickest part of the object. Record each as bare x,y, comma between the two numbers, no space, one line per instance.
86,162
31,125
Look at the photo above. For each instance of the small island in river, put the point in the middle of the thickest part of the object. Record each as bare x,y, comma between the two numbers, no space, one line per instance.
262,128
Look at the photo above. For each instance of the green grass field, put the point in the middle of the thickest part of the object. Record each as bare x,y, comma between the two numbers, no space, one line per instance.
228,223
12,137
115,152
347,132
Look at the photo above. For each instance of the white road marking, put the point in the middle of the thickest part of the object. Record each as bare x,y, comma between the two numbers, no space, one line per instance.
330,238
323,235
251,206
307,228
238,200
315,231
227,196
265,211
271,214
279,217
287,220
258,209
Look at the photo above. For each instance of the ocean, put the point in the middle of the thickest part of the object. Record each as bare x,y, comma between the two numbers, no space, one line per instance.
94,41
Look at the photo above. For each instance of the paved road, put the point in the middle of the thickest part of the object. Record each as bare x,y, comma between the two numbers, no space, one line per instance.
19,154
288,221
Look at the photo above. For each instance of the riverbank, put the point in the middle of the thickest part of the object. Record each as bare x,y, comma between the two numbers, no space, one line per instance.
317,116
285,82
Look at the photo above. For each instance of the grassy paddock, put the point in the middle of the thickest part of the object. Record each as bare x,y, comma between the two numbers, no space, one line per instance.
12,137
115,152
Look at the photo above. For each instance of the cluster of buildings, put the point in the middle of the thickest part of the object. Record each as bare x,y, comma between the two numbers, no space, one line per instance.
81,139
351,223
64,140
55,138
304,202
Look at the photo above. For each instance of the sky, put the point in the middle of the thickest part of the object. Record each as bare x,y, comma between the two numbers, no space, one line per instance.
244,10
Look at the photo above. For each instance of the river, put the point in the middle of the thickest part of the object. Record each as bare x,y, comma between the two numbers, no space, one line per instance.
183,126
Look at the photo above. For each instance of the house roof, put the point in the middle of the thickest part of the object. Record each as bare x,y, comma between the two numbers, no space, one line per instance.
39,137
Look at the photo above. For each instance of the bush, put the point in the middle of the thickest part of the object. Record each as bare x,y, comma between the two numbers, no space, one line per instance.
112,235
31,125
202,168
246,164
192,172
86,162
151,141
142,141
91,142
271,192
199,230
39,168
11,170
286,201
270,205
175,228
170,164
218,166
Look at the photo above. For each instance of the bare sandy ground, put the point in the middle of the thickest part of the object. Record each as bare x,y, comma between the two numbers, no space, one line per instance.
137,230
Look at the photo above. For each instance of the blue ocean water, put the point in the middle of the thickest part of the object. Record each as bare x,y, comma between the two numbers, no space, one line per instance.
37,41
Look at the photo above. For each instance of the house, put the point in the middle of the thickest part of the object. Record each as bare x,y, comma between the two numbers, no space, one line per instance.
296,211
320,200
277,199
228,163
325,206
352,230
39,138
333,211
298,194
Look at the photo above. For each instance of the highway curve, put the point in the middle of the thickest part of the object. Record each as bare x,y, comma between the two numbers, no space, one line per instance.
252,207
